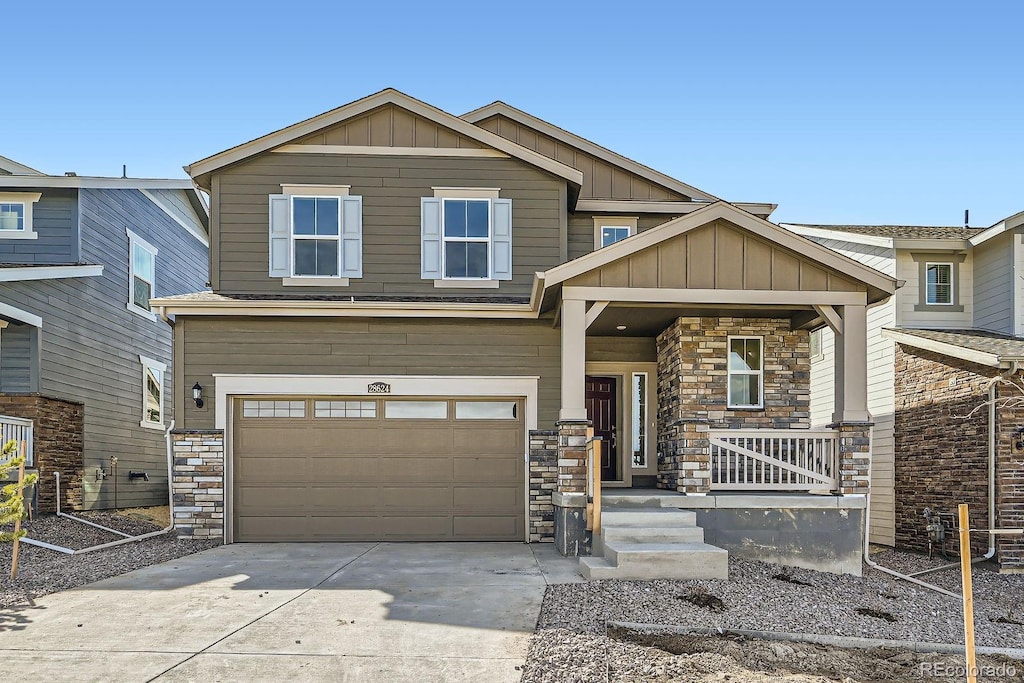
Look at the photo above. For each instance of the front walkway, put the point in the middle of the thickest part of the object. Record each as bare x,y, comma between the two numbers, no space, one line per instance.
296,612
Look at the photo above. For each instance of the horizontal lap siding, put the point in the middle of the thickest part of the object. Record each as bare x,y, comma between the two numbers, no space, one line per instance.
16,355
581,229
993,285
909,296
55,220
381,346
391,188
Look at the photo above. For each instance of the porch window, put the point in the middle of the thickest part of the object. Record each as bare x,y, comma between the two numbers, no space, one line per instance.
746,372
939,283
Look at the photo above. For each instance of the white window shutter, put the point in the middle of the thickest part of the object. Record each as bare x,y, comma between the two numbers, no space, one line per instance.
501,239
280,236
351,237
430,238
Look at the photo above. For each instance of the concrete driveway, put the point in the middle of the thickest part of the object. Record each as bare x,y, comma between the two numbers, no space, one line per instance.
296,612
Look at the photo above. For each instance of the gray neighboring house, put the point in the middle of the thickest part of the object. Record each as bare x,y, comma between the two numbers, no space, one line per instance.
83,358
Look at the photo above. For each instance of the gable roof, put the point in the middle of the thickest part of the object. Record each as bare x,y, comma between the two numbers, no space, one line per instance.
1009,223
500,108
976,346
879,285
201,170
899,232
10,166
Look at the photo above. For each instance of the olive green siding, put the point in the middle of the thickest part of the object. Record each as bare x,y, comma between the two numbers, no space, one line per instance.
581,229
386,346
390,126
391,188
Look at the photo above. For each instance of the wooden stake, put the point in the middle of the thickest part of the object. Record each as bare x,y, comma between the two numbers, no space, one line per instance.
965,576
17,522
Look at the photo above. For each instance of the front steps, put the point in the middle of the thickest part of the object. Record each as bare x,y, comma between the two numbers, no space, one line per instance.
639,539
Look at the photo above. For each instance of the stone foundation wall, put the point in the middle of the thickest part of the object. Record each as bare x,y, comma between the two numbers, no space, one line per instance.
543,482
57,435
693,390
198,483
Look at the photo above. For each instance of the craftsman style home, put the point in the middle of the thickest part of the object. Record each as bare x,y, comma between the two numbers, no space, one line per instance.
85,363
416,316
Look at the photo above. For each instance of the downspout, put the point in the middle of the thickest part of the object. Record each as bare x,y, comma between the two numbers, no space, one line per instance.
128,539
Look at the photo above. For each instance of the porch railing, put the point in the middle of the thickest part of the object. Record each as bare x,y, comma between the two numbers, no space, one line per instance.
774,459
18,429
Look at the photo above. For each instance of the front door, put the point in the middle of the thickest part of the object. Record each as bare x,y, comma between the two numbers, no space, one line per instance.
603,412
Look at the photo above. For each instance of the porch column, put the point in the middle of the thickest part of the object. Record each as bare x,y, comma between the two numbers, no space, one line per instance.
574,360
851,367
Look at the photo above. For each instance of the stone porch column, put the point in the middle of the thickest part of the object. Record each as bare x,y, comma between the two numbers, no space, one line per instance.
570,498
851,417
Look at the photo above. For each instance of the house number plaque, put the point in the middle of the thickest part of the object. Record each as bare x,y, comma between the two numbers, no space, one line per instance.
378,388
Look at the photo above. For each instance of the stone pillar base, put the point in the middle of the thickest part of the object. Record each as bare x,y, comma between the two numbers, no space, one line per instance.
854,456
571,536
198,483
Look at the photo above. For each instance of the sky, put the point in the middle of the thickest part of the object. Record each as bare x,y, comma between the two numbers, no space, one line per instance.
898,112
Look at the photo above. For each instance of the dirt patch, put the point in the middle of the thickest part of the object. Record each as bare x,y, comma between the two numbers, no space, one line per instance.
705,600
158,514
742,659
790,579
876,614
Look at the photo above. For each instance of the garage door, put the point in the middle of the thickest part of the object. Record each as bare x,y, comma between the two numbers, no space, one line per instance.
396,469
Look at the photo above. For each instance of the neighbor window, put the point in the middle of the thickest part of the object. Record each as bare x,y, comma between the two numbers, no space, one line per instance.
817,353
141,274
316,242
467,238
746,372
611,229
152,393
16,215
939,283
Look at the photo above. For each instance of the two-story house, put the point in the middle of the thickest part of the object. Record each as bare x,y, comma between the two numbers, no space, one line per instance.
85,363
944,385
415,316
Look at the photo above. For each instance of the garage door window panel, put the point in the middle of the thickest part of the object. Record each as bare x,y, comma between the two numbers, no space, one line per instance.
416,410
345,409
485,410
263,409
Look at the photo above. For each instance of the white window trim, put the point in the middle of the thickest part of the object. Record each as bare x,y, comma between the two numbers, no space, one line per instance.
601,222
135,240
299,280
479,240
729,372
27,200
820,355
162,367
952,289
467,194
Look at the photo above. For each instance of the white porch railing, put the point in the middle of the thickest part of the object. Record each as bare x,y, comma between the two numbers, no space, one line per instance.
19,429
774,459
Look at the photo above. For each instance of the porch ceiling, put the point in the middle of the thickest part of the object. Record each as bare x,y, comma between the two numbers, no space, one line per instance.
651,320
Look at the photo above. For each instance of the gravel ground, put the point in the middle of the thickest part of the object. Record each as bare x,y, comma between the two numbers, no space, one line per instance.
42,571
571,642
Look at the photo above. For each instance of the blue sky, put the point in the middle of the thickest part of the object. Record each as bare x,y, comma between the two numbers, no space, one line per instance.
855,112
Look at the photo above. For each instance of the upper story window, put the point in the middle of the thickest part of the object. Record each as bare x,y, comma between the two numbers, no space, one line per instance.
939,283
16,215
152,393
141,274
316,235
466,237
746,372
611,229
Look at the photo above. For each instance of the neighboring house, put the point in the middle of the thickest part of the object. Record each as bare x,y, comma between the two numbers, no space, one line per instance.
82,355
955,324
415,316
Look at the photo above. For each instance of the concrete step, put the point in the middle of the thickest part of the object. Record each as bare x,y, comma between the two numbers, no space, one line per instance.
652,534
647,517
657,561
655,499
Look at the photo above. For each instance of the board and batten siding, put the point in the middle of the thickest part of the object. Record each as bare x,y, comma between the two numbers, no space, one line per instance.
55,220
91,342
994,284
881,396
907,269
391,188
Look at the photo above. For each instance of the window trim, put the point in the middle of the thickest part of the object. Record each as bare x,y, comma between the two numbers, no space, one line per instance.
162,368
601,222
923,260
820,355
468,193
27,201
476,240
729,372
294,278
939,264
134,240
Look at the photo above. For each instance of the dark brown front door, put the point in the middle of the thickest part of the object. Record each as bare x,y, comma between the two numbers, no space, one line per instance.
602,411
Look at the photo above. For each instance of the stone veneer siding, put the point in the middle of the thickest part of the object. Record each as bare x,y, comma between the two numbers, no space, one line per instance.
198,483
693,390
543,482
941,426
57,434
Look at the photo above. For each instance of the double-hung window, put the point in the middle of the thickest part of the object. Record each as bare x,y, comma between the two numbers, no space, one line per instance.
16,215
316,238
467,238
316,235
939,284
152,393
141,274
746,372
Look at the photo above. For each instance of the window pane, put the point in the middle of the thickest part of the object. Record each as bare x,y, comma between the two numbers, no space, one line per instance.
12,216
744,390
455,259
142,262
303,216
273,408
316,257
421,410
939,284
154,388
478,219
611,234
639,419
455,218
745,354
476,259
142,291
365,409
326,216
485,410
815,343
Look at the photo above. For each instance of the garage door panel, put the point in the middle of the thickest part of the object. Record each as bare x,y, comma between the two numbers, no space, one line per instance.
358,440
480,469
342,498
482,527
415,527
271,528
426,439
413,498
485,437
487,498
271,470
340,468
343,528
271,500
415,469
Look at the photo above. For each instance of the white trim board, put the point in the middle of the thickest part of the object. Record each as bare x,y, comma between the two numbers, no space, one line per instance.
9,311
839,235
48,272
96,183
380,150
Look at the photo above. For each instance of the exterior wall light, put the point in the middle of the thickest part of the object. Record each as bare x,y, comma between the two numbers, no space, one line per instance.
197,395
